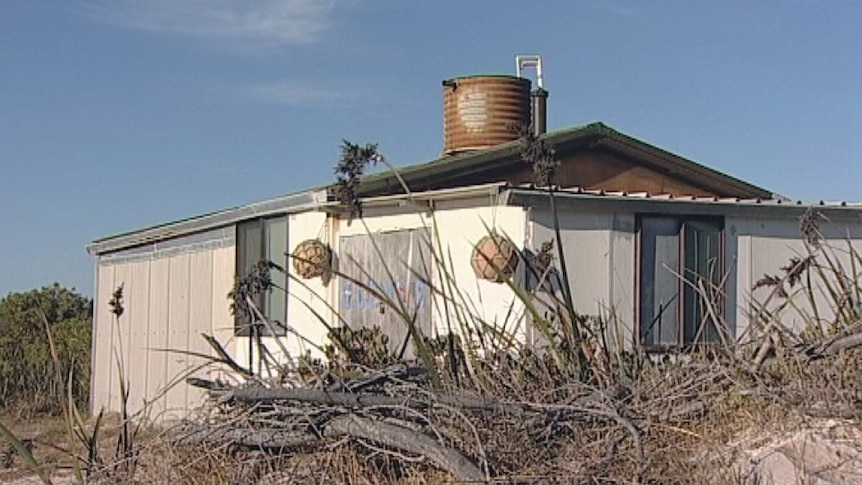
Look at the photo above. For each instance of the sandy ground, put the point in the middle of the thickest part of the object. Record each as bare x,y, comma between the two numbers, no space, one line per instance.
823,452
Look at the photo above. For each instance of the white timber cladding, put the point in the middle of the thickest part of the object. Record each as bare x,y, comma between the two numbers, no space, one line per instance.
169,302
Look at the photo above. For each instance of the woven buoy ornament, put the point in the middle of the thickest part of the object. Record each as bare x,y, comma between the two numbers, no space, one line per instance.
311,258
494,258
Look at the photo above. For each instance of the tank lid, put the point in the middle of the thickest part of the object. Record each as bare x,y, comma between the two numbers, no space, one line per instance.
492,76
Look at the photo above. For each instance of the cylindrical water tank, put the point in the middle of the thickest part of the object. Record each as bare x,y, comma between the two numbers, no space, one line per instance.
482,111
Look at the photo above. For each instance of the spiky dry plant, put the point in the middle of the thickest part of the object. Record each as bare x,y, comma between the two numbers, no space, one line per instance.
536,153
250,287
809,224
348,172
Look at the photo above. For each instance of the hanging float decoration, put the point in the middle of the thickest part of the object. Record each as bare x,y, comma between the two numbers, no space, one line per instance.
312,258
494,258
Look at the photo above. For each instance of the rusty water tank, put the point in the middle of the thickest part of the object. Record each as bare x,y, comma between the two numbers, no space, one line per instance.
480,111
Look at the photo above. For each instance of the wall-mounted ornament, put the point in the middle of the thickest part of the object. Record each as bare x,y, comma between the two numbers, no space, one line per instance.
494,258
312,258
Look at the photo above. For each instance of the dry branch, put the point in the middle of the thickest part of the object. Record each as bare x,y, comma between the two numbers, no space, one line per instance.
386,434
399,371
405,439
317,396
833,345
268,438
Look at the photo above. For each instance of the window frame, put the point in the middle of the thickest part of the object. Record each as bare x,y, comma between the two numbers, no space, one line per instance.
262,226
684,290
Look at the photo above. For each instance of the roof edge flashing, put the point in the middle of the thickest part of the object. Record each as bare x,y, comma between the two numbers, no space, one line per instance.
291,203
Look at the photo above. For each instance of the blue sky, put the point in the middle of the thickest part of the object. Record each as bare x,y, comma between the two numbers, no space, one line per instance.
119,114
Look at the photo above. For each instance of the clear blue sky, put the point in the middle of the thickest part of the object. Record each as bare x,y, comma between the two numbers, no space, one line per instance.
119,114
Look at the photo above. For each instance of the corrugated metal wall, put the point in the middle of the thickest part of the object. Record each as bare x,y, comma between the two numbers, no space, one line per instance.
169,301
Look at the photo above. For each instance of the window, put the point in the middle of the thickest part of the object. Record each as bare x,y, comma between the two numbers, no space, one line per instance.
259,240
678,257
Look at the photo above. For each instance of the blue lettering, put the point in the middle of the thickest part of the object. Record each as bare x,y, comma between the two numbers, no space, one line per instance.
421,293
347,295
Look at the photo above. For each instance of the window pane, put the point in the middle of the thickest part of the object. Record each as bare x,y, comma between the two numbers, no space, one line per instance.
276,247
659,285
249,252
702,269
249,246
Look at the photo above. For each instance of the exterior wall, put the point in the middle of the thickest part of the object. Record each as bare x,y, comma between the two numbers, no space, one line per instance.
177,289
765,245
454,227
172,294
484,302
599,248
312,296
601,252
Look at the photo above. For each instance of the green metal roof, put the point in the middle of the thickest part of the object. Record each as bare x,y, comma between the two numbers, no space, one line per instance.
591,134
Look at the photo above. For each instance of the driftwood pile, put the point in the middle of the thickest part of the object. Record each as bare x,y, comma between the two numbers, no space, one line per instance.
520,418
478,436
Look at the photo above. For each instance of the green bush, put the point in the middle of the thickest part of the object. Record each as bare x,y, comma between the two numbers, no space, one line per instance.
27,375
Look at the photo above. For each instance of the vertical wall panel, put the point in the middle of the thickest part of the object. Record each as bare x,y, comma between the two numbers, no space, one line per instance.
200,317
170,299
731,274
587,248
622,270
744,280
138,306
178,321
223,262
158,335
103,336
122,276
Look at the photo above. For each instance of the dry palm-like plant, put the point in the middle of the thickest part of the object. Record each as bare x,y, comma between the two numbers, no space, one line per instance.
350,168
536,153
